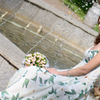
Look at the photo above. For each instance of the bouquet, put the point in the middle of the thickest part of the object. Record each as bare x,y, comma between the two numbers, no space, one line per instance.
35,59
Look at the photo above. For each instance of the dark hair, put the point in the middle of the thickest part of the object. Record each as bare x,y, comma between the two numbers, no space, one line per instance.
98,20
97,40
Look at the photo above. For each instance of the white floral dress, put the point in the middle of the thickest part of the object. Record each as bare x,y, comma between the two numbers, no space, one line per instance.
34,83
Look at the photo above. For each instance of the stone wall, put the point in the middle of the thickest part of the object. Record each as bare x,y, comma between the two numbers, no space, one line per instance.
92,15
10,60
11,5
6,72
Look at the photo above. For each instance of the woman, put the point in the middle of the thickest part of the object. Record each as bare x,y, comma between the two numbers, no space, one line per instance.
35,83
86,68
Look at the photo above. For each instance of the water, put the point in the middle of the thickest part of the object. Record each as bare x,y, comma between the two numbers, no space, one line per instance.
25,40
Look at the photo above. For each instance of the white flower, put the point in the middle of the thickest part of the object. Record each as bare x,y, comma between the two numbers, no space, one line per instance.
31,64
29,55
43,66
28,60
38,61
33,59
42,62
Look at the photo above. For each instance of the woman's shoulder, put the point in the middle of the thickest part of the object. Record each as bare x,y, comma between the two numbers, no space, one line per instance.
96,47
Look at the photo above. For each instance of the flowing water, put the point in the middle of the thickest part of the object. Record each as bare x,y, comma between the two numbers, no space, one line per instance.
26,39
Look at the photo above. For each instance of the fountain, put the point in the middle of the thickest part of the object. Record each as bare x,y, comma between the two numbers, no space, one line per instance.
33,25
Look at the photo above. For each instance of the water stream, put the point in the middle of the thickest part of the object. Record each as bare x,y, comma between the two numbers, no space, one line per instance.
26,39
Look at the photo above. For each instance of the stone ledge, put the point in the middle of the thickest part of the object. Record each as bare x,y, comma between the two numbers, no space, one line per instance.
64,16
11,52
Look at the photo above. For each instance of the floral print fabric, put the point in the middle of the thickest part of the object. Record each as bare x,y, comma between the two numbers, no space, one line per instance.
35,83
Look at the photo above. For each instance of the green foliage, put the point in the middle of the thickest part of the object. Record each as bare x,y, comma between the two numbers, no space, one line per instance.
40,79
3,93
25,83
53,91
81,94
44,97
96,28
79,6
35,78
71,93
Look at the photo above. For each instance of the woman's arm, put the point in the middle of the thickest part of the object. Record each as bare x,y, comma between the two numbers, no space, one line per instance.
93,63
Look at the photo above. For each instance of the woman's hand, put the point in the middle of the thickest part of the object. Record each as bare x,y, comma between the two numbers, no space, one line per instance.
52,70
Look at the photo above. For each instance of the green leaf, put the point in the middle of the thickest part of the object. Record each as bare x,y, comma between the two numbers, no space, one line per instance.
86,61
13,98
50,92
39,69
49,81
55,92
35,78
61,83
57,96
28,99
52,79
46,71
85,90
17,96
91,86
54,75
68,97
4,92
52,89
25,83
76,78
44,97
84,83
81,94
72,92
20,98
5,98
40,79
76,82
45,81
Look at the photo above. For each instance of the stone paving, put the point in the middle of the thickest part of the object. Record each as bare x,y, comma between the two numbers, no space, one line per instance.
6,72
10,60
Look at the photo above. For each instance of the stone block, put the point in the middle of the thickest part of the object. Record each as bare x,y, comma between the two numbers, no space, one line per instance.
45,18
61,27
91,19
72,33
11,52
79,37
1,60
11,5
28,11
92,15
2,3
6,72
